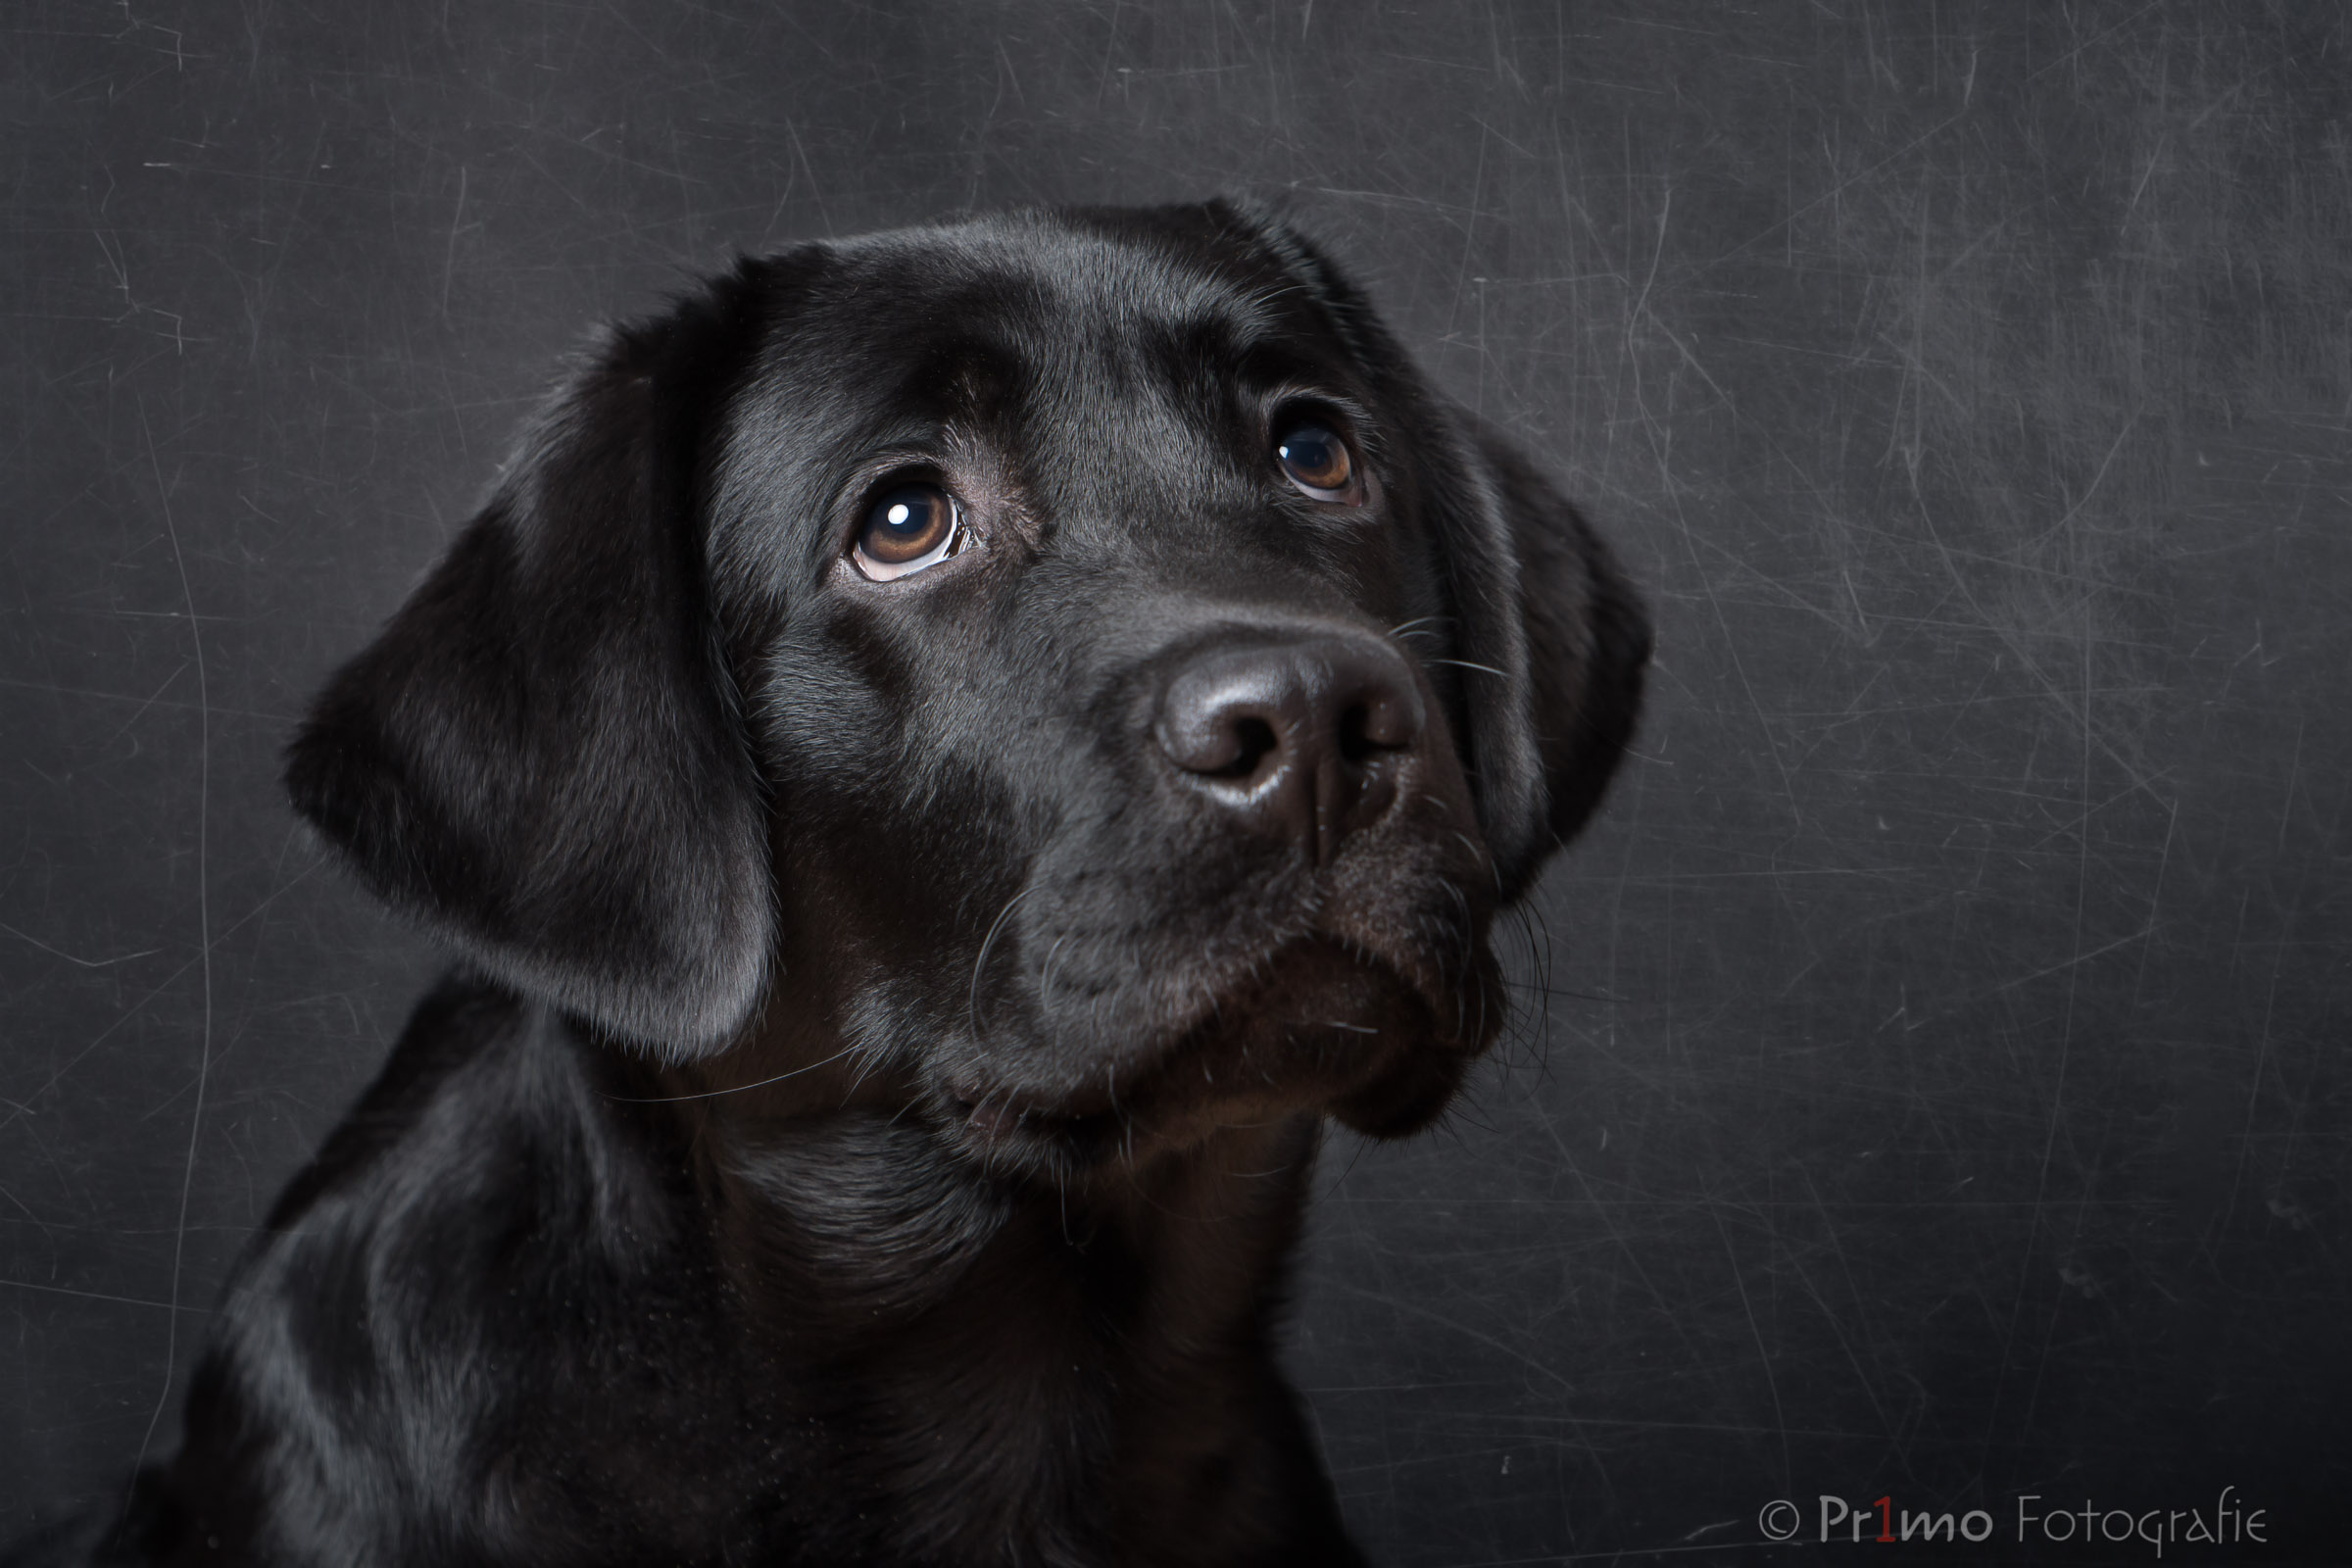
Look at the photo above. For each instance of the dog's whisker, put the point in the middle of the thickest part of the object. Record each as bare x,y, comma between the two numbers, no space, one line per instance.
1550,990
731,1089
988,943
868,1061
1415,626
1045,976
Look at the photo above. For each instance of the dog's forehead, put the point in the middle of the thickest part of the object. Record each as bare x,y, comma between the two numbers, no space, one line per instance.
1051,287
1028,324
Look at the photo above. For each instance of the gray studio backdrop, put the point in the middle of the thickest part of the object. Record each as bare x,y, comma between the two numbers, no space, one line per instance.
1930,1083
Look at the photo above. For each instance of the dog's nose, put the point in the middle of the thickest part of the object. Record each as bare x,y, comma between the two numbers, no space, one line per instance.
1301,736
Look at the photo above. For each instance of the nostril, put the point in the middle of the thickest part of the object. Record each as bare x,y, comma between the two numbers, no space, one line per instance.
1382,721
1254,741
1217,740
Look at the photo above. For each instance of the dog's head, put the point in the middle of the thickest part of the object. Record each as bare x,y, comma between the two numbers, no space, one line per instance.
1074,656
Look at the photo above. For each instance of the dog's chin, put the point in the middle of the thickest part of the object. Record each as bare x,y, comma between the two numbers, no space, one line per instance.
1323,1029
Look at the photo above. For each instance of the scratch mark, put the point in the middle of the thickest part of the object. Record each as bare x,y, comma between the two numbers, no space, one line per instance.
18,1111
86,963
1763,1353
101,1295
449,255
204,933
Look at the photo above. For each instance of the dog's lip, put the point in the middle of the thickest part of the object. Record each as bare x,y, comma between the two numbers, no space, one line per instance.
997,1120
989,1117
996,1110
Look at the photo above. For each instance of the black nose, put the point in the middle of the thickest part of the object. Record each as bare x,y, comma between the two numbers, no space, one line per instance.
1301,736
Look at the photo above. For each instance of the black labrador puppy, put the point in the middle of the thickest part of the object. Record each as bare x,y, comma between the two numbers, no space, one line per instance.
945,757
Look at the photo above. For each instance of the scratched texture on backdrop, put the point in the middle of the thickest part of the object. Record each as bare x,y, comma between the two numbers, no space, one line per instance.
1932,1079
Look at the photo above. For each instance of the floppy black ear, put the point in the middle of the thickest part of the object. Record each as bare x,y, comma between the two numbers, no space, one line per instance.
1586,643
539,757
1551,641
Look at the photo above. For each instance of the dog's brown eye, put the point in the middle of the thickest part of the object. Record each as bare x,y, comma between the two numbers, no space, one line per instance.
1316,461
909,528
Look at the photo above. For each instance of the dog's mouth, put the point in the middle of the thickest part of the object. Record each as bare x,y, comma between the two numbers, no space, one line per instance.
1321,1026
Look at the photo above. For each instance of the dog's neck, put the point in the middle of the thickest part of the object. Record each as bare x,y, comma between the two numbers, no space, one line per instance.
1107,1341
838,1200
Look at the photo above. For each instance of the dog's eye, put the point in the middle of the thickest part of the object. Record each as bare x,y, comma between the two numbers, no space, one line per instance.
1317,461
905,530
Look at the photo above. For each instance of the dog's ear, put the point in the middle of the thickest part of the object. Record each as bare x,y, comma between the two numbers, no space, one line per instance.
1550,642
540,758
1584,642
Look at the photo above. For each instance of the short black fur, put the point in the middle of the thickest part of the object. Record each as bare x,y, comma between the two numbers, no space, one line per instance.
873,1112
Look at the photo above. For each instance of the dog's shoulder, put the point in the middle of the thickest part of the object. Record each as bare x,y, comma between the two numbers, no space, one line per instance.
491,1255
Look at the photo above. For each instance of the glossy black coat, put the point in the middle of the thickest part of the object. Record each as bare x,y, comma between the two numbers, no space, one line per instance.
875,1105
